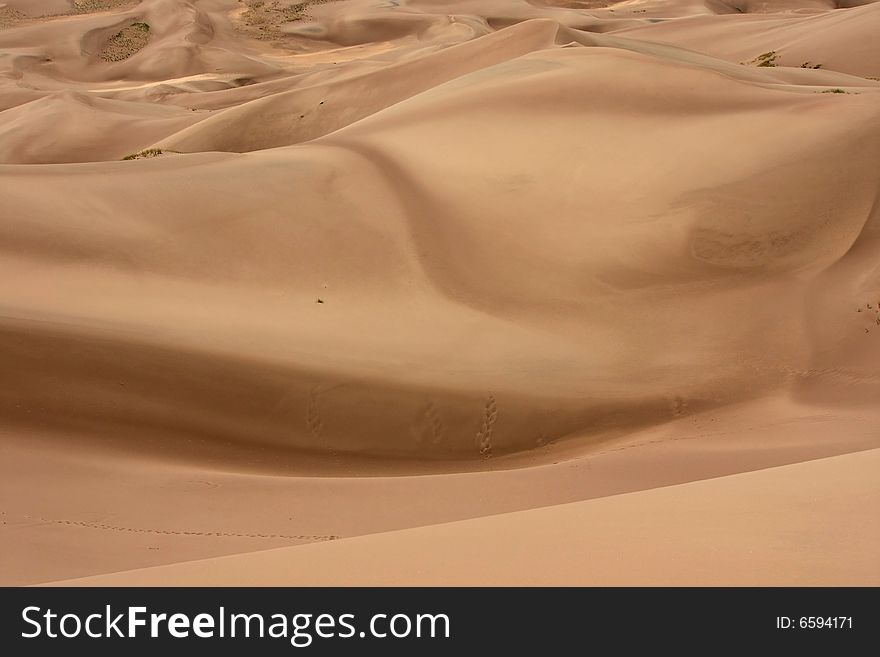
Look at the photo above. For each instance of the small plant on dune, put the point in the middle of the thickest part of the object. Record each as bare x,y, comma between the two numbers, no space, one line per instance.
767,59
834,91
809,65
146,154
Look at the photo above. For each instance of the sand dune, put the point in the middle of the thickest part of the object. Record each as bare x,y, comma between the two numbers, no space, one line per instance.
86,128
841,41
94,510
761,529
294,245
407,271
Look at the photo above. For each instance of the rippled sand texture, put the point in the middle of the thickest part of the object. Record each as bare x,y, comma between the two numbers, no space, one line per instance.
276,273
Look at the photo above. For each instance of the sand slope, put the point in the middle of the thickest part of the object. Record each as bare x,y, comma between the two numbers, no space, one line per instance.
358,239
92,510
762,528
390,314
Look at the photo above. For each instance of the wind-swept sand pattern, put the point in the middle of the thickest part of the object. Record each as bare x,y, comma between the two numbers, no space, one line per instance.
335,257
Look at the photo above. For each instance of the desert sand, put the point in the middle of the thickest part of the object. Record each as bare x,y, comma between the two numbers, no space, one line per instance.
333,292
757,528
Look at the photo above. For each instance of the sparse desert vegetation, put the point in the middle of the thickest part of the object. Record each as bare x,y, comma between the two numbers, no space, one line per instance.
10,17
766,59
263,19
147,154
125,43
92,6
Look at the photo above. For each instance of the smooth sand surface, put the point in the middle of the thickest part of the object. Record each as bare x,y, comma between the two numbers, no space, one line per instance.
758,528
282,273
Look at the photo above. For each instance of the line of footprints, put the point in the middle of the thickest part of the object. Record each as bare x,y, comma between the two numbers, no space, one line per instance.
428,426
871,308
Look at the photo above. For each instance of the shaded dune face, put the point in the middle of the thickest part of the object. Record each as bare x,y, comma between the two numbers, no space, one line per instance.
431,230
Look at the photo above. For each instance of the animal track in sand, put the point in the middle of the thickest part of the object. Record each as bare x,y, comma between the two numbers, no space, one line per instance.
313,414
170,532
428,427
203,482
872,312
678,406
484,435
